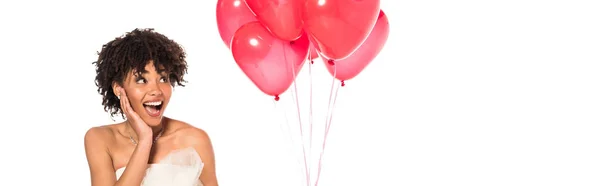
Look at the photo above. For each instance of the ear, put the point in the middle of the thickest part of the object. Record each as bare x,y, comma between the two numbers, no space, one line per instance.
115,89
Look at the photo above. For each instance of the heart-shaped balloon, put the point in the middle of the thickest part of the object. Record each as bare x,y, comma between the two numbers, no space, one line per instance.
313,53
271,63
351,66
282,17
231,15
339,27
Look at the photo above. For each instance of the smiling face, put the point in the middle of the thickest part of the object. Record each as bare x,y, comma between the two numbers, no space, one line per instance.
130,62
149,93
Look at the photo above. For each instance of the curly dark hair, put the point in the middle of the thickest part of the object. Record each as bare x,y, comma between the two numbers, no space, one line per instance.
133,51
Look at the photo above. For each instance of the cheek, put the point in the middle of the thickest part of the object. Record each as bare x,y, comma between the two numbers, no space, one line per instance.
166,90
134,95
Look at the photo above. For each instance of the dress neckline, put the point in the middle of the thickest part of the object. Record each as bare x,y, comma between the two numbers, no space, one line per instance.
161,162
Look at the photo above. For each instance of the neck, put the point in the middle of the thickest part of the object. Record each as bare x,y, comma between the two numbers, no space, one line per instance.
155,129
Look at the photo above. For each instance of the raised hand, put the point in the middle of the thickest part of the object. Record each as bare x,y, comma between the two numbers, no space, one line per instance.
143,131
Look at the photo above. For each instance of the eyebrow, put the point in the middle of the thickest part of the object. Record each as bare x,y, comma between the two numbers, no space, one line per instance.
159,71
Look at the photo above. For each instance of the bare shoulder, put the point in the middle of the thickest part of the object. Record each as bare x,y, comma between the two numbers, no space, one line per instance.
99,135
190,135
97,141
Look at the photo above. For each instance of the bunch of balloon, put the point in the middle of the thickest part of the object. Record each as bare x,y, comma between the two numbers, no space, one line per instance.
270,40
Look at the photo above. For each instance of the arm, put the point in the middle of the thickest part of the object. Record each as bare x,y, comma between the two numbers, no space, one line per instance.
205,150
100,163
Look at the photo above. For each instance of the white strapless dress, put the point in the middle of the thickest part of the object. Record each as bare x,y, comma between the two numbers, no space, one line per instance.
181,167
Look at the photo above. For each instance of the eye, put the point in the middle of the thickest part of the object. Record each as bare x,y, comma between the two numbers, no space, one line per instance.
164,79
140,80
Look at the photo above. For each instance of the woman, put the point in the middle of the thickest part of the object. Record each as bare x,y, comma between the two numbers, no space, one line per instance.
135,76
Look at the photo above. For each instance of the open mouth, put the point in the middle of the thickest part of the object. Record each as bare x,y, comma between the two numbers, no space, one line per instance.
153,108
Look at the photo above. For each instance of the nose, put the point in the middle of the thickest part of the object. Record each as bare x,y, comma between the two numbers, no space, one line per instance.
155,90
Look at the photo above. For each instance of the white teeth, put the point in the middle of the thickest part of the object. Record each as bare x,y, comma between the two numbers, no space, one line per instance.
156,103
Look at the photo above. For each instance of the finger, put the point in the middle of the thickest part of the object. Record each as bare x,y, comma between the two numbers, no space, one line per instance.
126,103
130,112
123,102
121,97
127,106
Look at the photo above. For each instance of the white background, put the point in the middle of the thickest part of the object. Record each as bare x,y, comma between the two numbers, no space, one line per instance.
464,93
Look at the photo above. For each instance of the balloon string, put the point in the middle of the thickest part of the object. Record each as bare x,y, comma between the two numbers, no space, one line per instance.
331,91
310,119
295,95
332,109
288,131
307,175
327,121
325,136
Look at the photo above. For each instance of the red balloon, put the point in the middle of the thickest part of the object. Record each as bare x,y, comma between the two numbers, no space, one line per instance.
231,15
339,27
282,17
351,66
271,63
313,53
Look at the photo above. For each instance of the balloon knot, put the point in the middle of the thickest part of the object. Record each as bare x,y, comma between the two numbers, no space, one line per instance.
312,62
331,62
343,83
276,97
292,42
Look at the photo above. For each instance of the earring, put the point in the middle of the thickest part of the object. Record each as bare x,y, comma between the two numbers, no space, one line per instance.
118,97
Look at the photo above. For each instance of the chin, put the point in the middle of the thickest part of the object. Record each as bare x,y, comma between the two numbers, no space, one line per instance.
154,121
